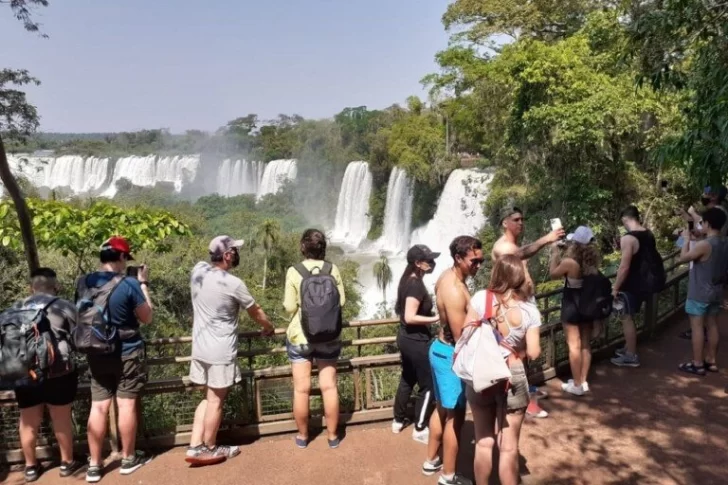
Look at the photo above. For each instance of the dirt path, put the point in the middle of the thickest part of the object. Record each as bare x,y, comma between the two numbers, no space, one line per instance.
638,426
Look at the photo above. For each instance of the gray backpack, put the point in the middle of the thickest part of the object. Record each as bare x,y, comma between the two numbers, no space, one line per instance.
27,344
94,334
320,304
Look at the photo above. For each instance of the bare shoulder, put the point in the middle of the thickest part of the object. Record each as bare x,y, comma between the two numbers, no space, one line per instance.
503,247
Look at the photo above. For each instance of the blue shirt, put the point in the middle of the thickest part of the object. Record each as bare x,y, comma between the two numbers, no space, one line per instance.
123,301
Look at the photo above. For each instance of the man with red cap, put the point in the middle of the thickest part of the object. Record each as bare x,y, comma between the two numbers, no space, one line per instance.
120,375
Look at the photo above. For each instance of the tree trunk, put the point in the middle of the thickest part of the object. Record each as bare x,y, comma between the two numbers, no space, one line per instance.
265,269
26,227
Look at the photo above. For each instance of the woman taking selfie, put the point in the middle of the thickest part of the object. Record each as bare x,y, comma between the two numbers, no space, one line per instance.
414,307
498,411
581,258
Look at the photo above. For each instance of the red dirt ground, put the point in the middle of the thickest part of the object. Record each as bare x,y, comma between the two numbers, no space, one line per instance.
650,425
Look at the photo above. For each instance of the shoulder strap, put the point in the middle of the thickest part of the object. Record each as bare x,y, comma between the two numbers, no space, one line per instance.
326,268
53,300
302,270
488,305
116,285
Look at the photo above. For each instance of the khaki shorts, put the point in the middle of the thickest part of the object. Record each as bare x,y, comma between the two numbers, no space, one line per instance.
120,376
214,376
515,399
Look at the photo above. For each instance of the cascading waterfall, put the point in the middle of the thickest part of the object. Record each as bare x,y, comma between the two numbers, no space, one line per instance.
276,174
148,171
459,213
352,218
80,175
397,213
239,177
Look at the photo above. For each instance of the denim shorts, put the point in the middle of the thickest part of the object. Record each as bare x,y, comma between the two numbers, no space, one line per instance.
632,302
699,309
309,352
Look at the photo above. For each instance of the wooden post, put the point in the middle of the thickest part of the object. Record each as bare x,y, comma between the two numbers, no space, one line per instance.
651,314
114,428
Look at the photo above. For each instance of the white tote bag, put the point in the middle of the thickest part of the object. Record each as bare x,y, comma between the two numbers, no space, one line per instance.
478,360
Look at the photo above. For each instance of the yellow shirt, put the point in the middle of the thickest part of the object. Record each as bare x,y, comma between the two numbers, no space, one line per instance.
292,298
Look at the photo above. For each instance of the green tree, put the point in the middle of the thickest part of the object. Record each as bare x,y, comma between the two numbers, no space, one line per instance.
267,236
383,273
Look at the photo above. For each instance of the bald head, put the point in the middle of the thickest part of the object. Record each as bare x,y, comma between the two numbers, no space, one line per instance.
43,280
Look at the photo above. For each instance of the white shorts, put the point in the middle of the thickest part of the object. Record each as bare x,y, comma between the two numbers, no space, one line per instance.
215,376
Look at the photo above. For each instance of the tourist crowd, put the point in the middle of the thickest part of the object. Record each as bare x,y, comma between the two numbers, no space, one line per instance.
114,301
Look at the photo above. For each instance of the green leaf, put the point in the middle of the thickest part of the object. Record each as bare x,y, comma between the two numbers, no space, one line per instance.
6,241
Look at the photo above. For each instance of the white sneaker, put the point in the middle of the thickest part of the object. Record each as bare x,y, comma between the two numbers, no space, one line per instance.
584,386
397,427
422,436
572,389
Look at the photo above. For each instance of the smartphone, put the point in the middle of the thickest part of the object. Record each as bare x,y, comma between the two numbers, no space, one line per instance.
556,224
132,271
691,225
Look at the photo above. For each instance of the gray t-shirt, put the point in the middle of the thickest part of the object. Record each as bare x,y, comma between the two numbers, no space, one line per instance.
217,300
62,316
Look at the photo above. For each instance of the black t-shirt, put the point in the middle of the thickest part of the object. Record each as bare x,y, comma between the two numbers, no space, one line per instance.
633,283
415,288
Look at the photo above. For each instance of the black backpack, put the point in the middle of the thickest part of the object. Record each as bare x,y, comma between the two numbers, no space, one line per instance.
320,304
652,268
27,344
595,297
94,335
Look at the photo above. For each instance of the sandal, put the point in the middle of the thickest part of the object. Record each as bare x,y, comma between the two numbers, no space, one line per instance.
690,368
711,367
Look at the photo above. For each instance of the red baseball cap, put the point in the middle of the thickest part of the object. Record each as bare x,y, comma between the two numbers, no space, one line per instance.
118,243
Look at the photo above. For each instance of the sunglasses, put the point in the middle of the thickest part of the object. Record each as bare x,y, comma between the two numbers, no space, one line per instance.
476,261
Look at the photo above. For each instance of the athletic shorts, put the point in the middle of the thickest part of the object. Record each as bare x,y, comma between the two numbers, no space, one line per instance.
449,389
121,376
56,391
515,398
699,309
214,376
632,302
328,351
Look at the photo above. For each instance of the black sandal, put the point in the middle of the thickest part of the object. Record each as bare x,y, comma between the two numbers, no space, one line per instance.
711,366
691,368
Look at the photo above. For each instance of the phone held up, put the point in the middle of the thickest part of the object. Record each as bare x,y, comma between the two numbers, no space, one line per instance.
556,225
133,271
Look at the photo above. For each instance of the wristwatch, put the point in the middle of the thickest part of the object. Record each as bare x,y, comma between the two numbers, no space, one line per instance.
144,283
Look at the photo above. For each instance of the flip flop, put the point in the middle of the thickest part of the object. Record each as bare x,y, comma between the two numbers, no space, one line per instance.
690,368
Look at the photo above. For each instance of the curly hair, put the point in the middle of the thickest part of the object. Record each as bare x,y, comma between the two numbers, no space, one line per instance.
586,255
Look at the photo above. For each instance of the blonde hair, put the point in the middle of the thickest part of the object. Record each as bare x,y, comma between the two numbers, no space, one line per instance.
587,257
508,274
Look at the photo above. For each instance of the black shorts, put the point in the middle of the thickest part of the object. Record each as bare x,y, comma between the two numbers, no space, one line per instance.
570,308
57,391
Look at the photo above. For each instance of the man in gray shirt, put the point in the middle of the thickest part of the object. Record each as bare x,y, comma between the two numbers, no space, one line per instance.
217,299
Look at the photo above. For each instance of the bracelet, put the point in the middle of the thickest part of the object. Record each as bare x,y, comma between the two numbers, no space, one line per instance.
144,283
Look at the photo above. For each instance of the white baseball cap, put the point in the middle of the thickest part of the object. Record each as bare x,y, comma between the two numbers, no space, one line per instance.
582,235
221,244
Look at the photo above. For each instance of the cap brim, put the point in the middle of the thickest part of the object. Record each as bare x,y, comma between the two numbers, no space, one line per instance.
129,257
570,237
238,243
434,255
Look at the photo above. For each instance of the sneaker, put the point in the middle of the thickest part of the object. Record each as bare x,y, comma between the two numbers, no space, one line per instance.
430,468
626,360
584,385
226,451
69,468
133,463
455,480
32,473
334,443
620,351
94,473
397,426
535,411
571,388
421,436
195,451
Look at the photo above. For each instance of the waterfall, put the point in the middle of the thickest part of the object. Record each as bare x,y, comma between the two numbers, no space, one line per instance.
148,171
238,177
276,174
352,218
397,213
80,175
459,213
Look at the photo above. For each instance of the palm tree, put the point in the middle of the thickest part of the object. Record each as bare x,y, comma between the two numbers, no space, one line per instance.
383,274
267,235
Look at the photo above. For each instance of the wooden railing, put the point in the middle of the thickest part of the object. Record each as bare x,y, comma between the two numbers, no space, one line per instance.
261,404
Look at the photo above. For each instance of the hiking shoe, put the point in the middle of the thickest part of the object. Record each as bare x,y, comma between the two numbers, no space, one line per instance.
430,468
421,436
397,426
535,411
572,388
454,480
69,468
133,463
584,385
626,360
620,351
194,451
202,456
32,473
226,451
94,473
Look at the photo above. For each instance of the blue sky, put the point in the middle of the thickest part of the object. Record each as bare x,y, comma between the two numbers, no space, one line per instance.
126,65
